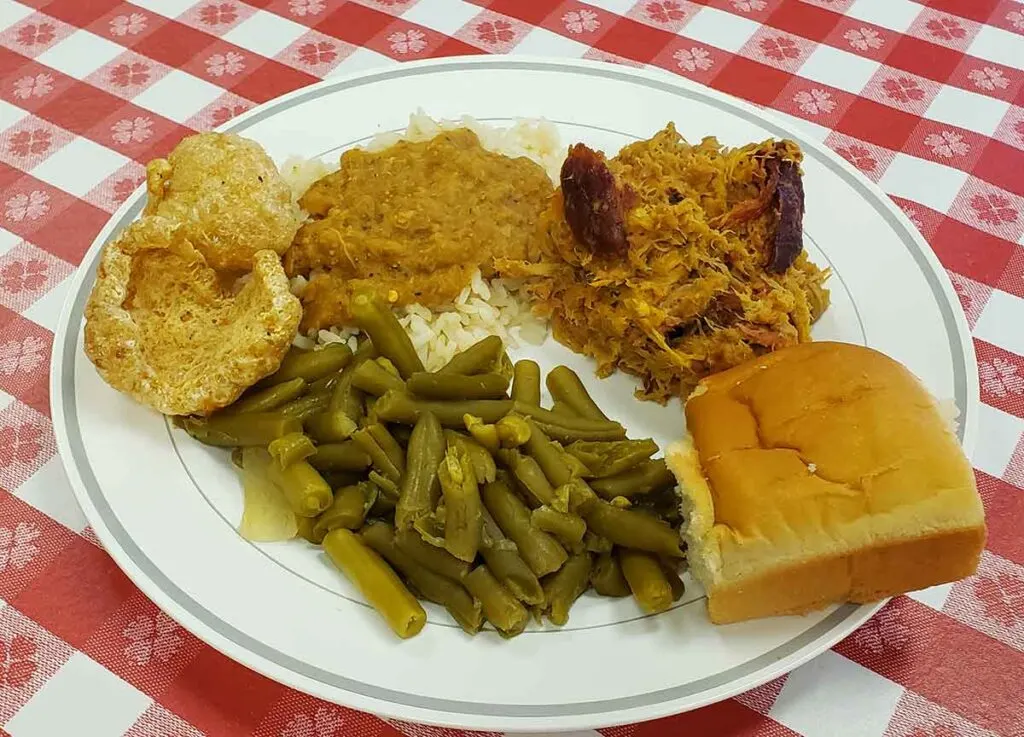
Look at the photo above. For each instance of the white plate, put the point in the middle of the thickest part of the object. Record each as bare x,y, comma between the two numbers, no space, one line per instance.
165,507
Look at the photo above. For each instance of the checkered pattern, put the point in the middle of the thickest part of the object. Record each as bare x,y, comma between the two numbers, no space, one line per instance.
926,99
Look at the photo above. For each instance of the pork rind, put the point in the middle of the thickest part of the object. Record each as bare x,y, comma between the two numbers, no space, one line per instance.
228,194
162,327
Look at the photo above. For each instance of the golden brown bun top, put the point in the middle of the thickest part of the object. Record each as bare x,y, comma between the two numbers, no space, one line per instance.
824,445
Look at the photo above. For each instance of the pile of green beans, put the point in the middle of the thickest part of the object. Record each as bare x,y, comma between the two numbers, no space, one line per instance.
456,486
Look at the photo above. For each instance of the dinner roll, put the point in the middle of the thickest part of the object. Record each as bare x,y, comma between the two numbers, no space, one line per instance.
818,474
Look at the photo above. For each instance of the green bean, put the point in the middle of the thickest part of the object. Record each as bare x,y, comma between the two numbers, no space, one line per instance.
502,558
500,607
483,433
345,397
365,350
483,462
331,426
573,496
594,543
632,528
646,580
348,510
433,558
369,415
609,459
457,386
513,431
290,448
383,506
548,417
376,581
528,475
385,363
401,434
476,359
387,487
345,456
374,500
401,407
566,428
568,528
266,400
576,467
430,528
539,549
374,379
388,336
524,494
420,486
431,586
385,453
310,365
504,367
305,489
305,407
663,503
306,532
235,431
561,408
671,571
387,442
607,578
339,479
526,382
324,385
563,588
462,504
645,478
565,386
548,456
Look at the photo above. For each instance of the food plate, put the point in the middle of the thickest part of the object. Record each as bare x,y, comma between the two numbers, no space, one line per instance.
166,507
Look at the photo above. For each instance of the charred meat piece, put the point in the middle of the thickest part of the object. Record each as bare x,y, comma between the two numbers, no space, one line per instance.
783,191
724,310
789,206
754,207
761,335
595,205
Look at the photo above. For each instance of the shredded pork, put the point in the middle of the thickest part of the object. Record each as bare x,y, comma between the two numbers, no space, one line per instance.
673,261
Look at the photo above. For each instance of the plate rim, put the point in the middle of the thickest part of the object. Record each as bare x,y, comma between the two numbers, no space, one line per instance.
65,338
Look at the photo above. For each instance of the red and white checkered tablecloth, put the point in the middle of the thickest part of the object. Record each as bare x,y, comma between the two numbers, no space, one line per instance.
926,99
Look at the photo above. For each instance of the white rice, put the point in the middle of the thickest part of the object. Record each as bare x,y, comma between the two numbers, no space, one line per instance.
300,173
485,307
536,139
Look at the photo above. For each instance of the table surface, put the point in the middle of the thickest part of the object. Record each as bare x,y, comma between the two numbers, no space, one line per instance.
926,99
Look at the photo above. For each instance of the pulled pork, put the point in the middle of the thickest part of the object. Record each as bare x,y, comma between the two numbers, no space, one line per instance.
673,261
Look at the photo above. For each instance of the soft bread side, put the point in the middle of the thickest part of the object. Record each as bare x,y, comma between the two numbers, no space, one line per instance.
819,474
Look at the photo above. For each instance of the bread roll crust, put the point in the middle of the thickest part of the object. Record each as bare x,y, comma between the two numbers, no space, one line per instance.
818,474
